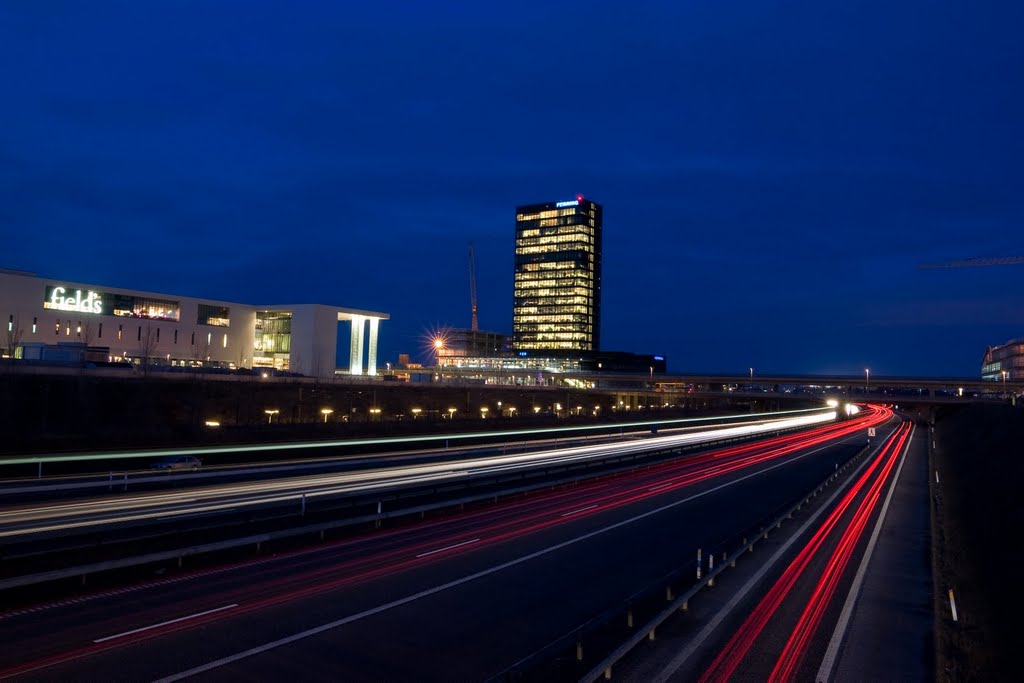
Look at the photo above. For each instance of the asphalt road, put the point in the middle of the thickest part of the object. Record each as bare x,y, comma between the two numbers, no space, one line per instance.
865,617
890,632
116,508
461,598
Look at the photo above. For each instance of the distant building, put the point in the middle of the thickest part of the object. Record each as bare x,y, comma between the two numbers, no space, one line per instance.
557,286
1008,358
472,343
47,319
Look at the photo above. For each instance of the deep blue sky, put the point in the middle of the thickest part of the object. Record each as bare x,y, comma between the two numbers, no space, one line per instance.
772,172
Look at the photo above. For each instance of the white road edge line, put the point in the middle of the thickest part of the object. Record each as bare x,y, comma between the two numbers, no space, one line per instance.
216,664
165,623
576,512
829,661
448,547
679,660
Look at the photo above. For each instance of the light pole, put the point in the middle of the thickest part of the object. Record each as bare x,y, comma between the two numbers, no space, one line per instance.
326,413
271,412
438,347
1004,383
867,380
751,374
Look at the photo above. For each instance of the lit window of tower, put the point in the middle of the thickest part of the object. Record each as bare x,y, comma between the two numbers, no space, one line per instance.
557,289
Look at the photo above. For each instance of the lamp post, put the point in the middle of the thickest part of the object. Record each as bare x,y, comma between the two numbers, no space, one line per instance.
326,412
438,347
1004,382
867,380
751,374
271,412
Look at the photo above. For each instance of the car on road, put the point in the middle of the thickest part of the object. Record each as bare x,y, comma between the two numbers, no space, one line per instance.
179,462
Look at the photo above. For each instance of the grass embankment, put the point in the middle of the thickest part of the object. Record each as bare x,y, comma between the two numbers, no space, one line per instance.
979,549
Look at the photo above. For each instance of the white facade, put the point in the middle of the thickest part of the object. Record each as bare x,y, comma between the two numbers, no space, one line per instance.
177,330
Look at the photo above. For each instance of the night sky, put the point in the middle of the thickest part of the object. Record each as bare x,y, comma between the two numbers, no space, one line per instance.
772,173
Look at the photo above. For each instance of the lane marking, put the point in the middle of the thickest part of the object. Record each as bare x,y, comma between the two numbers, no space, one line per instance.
449,547
259,649
829,661
165,623
576,512
677,663
661,486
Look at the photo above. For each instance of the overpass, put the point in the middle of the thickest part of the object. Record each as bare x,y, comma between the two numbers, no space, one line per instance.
909,390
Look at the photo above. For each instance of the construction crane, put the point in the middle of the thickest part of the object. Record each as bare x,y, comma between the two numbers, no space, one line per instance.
975,262
472,287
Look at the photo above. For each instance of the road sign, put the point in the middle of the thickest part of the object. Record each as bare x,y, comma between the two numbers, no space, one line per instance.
871,432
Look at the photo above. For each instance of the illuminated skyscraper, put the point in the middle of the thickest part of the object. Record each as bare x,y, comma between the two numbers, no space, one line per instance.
557,305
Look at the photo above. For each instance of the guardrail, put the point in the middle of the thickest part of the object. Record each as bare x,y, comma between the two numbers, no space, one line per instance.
575,638
376,518
681,604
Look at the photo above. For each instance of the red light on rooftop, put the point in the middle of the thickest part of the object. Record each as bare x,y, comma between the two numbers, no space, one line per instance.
579,198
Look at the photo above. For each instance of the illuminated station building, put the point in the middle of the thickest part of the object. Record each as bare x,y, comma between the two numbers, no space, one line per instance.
58,320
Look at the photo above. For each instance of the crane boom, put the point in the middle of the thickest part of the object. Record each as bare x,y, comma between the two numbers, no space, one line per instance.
472,287
976,262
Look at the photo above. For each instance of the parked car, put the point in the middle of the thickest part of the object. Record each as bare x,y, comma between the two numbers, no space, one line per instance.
179,462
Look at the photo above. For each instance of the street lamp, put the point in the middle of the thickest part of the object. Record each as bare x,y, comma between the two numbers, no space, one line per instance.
416,412
867,380
271,412
326,412
751,374
438,347
1004,382
483,412
451,413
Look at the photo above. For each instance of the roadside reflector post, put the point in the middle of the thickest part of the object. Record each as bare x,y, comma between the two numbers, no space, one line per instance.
39,475
629,618
668,593
650,634
711,570
125,481
698,564
685,607
952,604
579,649
608,674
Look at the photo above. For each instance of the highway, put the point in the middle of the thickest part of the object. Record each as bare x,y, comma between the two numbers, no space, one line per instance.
460,597
822,607
112,509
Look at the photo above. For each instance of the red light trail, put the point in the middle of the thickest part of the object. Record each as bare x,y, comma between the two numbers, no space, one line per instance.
401,549
870,484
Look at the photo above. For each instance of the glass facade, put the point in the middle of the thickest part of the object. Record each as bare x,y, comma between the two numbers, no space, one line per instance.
217,316
273,342
1008,358
557,288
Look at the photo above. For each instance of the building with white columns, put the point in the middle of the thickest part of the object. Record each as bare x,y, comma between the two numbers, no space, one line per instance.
131,325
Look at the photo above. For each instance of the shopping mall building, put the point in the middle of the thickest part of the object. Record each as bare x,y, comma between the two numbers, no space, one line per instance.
42,316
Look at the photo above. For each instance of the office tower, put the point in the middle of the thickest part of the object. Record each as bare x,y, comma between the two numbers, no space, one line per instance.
557,297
